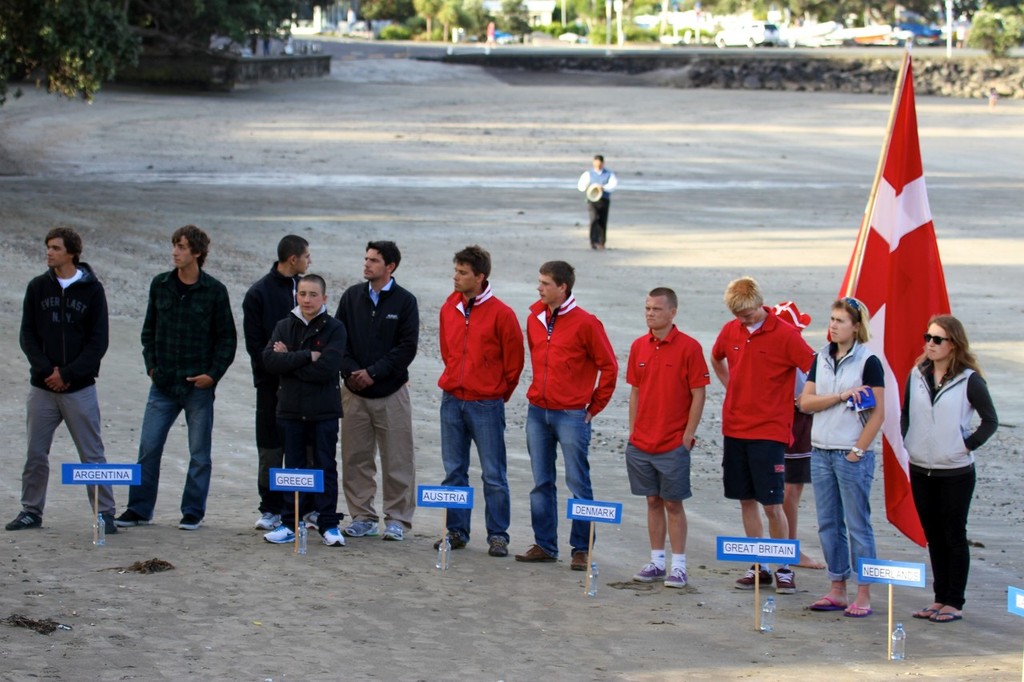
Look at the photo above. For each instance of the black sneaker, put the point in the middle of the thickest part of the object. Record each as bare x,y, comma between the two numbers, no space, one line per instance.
190,522
25,520
499,547
454,539
109,525
128,518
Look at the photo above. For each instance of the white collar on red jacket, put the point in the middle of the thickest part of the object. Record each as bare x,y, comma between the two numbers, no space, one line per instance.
482,297
566,306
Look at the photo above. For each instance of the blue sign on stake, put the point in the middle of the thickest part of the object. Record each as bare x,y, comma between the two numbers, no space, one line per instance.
757,550
1015,601
594,510
891,572
105,474
447,496
298,480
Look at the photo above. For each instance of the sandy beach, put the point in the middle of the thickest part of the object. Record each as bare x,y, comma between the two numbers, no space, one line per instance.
713,185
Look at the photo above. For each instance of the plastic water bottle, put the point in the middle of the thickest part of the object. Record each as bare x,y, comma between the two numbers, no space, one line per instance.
303,536
101,531
592,577
899,643
768,615
444,550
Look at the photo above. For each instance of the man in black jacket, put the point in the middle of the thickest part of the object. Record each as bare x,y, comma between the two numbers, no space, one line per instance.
267,302
305,352
383,323
64,335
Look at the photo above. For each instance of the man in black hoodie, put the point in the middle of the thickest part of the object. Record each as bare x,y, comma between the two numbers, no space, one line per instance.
383,324
64,335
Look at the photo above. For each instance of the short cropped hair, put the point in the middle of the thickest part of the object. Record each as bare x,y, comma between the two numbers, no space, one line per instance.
72,241
477,258
673,300
858,312
599,157
743,294
388,251
316,279
291,245
561,272
198,241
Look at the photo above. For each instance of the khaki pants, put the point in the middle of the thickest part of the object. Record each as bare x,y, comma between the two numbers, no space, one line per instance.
370,424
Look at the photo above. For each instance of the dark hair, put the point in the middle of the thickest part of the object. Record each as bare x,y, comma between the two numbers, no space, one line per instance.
962,356
318,279
561,272
388,251
599,157
72,242
291,245
476,258
198,241
673,300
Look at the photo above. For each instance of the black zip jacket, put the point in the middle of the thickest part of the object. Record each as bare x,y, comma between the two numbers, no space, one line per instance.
308,391
268,301
382,339
65,328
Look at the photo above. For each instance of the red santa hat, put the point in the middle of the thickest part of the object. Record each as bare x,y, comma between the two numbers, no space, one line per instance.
788,312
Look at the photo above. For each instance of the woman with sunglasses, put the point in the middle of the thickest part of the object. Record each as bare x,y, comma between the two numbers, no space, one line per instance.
944,391
843,379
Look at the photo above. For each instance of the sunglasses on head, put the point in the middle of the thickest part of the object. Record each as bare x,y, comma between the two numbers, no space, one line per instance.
937,340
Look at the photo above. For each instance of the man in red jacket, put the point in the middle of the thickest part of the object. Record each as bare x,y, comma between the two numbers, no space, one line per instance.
568,349
482,351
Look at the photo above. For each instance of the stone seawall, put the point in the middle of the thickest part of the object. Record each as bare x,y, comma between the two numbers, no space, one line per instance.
966,78
222,72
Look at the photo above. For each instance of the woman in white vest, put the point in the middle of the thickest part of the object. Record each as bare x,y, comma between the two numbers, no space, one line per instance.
944,391
844,375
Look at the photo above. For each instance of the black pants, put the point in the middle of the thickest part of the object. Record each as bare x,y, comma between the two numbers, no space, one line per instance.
268,447
598,220
942,504
322,437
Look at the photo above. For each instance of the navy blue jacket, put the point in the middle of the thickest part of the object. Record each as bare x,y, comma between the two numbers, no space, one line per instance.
309,391
268,301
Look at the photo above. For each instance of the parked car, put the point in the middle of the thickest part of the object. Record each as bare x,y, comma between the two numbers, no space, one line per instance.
758,34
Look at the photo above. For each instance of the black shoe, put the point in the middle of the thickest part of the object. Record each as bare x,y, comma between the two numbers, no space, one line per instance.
109,525
128,518
454,539
25,520
190,522
499,547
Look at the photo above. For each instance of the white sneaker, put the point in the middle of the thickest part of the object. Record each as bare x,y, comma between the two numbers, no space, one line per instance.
268,521
281,535
394,532
311,520
334,538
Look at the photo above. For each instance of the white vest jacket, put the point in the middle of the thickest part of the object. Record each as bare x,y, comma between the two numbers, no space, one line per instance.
937,429
838,427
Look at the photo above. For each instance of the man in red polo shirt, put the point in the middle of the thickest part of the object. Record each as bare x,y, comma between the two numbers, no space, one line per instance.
668,376
756,358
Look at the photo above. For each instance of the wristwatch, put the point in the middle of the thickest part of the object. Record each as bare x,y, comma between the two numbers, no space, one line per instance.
857,452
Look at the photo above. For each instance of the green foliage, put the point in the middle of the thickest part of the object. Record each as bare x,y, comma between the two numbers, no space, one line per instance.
187,25
396,10
514,18
73,46
395,32
428,9
996,32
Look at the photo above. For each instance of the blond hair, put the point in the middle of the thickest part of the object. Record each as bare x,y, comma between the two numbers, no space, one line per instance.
858,312
743,294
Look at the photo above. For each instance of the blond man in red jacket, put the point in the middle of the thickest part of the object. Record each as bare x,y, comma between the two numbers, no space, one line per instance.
574,375
482,351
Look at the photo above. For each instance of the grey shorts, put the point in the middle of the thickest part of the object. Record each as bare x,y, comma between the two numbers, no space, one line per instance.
666,475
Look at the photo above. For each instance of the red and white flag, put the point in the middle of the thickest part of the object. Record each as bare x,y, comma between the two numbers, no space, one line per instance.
895,270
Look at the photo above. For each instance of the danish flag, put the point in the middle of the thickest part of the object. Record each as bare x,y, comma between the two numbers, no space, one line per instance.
895,270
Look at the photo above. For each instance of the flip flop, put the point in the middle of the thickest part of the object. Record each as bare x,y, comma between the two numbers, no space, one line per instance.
864,612
928,613
829,604
945,617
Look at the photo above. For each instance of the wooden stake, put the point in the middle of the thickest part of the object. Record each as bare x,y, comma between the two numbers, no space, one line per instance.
590,559
96,514
888,655
444,534
757,596
297,521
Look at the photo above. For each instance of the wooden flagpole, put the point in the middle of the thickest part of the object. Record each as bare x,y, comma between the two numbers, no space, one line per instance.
865,224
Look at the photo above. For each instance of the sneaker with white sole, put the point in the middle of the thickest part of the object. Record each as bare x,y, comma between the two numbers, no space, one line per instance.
334,538
649,574
764,577
269,521
677,578
784,582
362,528
311,519
190,522
395,532
281,535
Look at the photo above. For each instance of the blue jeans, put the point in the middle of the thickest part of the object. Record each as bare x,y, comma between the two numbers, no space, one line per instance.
483,422
842,491
322,438
162,409
545,429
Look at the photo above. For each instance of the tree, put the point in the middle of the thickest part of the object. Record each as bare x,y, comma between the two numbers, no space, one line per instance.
449,15
514,18
997,32
73,46
396,10
188,26
428,9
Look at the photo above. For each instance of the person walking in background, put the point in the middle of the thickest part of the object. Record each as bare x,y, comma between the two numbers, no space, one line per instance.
64,335
483,355
382,321
846,376
188,343
943,393
598,183
574,376
267,302
668,377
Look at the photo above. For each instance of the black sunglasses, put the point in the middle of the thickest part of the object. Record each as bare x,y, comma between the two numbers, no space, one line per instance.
937,340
